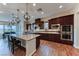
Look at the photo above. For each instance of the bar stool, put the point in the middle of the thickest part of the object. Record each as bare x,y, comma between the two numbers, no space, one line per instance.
13,43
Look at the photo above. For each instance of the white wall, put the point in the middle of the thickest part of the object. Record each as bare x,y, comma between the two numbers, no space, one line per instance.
76,30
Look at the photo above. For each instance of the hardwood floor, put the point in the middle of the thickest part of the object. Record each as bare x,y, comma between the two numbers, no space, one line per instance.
47,48
20,52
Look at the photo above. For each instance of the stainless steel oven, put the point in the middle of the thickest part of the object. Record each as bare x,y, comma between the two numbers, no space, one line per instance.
66,32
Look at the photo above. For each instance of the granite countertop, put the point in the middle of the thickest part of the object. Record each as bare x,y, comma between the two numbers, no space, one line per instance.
48,32
26,37
43,31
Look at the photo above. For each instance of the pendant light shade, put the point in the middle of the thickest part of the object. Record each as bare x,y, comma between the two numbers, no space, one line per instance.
26,15
16,18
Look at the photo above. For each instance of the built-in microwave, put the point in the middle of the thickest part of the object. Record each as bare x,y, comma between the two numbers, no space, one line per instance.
55,26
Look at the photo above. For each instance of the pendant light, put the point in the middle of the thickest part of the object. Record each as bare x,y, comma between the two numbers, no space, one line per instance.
16,18
26,15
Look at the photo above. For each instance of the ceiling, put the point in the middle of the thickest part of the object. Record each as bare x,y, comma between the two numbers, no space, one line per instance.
49,9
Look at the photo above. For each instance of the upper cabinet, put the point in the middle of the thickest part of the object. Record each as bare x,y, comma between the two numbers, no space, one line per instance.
67,20
39,23
64,20
54,21
27,26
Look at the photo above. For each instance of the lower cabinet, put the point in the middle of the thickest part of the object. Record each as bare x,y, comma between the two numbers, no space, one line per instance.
67,42
53,38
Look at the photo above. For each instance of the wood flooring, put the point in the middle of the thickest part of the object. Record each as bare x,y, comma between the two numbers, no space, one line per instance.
47,48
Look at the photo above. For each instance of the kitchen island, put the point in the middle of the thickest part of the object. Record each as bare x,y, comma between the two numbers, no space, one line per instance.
30,41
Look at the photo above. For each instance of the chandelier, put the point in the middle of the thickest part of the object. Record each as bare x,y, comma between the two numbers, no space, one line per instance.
15,18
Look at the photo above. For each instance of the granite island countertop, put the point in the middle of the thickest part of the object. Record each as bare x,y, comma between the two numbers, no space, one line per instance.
25,37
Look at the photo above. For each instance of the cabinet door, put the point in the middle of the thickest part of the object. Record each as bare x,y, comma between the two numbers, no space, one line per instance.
66,20
55,21
69,20
61,20
50,22
41,25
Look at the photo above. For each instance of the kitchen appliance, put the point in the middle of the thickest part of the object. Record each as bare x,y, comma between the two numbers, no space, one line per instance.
66,32
55,27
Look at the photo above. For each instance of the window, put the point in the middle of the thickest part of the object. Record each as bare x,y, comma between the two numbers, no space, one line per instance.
1,29
13,28
10,28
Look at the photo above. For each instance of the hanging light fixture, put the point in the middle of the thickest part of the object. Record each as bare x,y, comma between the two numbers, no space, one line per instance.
15,18
12,22
26,15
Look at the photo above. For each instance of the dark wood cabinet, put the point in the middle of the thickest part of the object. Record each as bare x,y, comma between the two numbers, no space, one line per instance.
64,20
37,20
53,21
27,26
52,38
37,42
39,23
67,20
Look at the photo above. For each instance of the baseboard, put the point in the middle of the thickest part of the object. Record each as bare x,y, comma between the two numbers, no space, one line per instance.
31,53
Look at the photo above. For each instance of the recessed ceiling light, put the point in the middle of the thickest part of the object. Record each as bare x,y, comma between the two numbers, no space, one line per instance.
34,4
60,6
42,12
4,3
